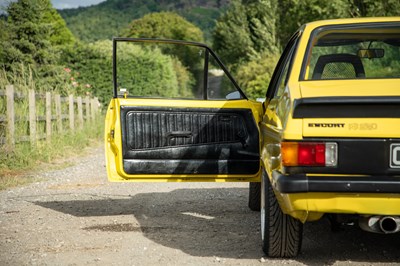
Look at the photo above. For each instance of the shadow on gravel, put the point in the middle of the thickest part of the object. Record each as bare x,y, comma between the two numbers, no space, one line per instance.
351,244
200,222
217,222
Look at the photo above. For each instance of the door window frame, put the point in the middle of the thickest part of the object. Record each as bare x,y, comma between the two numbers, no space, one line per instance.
177,42
279,72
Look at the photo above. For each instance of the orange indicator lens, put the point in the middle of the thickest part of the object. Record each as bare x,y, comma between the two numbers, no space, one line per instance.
289,152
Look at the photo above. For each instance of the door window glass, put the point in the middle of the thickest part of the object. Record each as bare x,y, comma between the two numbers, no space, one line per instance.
282,70
219,86
170,70
282,81
149,70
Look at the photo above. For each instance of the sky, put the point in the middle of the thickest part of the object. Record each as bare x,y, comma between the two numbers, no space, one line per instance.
61,4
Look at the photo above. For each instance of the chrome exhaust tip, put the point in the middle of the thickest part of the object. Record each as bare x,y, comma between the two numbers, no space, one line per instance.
380,224
389,224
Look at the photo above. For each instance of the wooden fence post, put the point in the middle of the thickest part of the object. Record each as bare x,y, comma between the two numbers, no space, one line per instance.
32,117
48,116
10,116
87,102
71,112
92,109
96,106
80,112
57,99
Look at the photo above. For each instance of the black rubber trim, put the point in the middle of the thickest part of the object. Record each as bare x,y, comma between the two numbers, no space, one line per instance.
347,184
347,107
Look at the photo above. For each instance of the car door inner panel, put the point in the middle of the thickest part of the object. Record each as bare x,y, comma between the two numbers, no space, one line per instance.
164,140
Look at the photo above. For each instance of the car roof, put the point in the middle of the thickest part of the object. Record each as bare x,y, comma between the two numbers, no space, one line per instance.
363,20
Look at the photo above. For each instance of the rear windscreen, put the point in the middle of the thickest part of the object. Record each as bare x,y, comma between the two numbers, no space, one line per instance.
363,51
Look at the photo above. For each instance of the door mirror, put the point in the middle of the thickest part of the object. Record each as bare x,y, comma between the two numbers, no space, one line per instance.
234,96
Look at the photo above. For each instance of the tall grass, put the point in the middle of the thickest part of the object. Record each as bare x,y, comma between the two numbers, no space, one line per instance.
24,156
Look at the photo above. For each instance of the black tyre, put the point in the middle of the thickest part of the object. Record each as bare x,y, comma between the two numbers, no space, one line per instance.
255,196
281,234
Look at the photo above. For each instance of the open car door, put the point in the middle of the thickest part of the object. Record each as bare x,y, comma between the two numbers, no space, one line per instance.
178,115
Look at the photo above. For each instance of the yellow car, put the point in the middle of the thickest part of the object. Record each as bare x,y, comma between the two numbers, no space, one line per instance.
326,140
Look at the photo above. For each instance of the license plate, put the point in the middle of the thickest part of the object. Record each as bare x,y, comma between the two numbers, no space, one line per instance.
395,155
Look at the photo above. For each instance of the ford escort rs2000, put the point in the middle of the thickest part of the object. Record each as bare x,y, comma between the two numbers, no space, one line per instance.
324,142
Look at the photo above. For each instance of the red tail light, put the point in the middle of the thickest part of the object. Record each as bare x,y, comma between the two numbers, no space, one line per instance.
309,154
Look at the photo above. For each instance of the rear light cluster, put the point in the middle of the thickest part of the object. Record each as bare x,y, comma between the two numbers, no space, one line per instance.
309,154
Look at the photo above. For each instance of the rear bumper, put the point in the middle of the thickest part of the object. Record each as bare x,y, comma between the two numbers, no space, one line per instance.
300,183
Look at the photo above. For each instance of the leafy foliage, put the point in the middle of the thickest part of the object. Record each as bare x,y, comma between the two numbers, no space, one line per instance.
34,29
248,34
29,42
107,19
168,25
368,8
291,14
31,38
58,32
4,36
255,76
165,25
247,37
245,31
144,72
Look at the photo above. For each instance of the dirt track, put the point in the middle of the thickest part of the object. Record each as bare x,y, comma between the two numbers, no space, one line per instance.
75,216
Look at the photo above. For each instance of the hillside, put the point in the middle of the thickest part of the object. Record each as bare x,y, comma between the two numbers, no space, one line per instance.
107,19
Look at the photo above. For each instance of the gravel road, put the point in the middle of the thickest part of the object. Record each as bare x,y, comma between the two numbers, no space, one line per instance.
74,216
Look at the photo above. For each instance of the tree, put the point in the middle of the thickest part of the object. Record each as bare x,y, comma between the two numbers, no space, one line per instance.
231,39
4,37
109,18
366,8
59,34
246,31
291,14
255,75
164,25
294,13
34,31
144,72
168,25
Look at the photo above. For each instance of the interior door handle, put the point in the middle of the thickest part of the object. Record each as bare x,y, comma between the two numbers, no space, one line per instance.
181,134
178,136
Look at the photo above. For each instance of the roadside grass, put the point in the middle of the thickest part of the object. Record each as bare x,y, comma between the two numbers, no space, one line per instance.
17,164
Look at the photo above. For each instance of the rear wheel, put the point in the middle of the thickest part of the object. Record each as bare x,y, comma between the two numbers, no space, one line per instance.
255,196
281,234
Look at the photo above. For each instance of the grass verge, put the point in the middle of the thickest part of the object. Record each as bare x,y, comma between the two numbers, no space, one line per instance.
16,164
